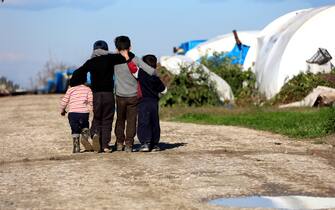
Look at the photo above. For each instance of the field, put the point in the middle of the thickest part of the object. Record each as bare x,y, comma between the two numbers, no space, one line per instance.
199,163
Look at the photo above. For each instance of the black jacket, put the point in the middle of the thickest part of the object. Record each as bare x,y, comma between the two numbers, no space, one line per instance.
102,71
151,86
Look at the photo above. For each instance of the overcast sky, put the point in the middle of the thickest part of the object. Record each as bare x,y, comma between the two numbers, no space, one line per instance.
35,31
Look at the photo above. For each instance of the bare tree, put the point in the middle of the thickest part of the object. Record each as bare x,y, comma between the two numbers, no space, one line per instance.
7,86
47,72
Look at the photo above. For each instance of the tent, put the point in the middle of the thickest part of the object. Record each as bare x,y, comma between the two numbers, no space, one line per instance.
227,43
287,43
174,63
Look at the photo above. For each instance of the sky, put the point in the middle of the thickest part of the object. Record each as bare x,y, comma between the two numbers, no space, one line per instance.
36,31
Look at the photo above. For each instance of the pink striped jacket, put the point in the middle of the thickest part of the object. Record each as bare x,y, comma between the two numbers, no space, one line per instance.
78,99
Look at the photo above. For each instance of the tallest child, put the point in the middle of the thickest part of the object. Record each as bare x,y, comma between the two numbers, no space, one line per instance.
101,67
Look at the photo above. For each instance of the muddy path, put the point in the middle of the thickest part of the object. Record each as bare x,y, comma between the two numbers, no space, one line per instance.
199,163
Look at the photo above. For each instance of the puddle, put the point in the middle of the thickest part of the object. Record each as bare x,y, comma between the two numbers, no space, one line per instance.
282,202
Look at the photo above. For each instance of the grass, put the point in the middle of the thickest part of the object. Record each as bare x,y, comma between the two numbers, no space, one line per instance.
294,123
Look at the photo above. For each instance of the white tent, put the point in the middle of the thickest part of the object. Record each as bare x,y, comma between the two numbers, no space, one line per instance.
286,43
174,63
225,43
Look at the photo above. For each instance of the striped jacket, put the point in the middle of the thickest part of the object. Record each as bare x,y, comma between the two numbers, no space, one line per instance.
77,99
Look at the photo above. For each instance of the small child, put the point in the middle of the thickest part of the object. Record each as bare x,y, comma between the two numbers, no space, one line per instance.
79,101
148,130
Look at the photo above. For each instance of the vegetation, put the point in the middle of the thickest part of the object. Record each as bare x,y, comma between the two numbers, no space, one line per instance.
301,85
187,90
190,88
296,123
242,83
7,86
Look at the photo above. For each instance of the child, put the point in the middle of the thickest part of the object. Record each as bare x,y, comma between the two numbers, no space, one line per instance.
127,95
148,130
101,68
79,101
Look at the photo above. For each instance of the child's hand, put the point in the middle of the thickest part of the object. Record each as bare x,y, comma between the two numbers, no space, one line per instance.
63,113
124,53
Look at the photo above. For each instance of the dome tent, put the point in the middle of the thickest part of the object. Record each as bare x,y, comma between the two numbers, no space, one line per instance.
225,43
287,43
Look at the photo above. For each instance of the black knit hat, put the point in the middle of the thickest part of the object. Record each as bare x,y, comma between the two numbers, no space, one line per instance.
100,44
77,79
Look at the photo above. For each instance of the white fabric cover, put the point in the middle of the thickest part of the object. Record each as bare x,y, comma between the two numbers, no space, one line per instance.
286,43
174,63
327,94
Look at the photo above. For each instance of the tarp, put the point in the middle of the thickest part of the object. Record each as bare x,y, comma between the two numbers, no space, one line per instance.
227,43
286,43
175,63
237,54
186,46
325,95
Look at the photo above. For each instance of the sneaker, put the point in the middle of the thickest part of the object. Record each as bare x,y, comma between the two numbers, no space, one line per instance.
128,148
119,147
156,148
84,140
96,142
144,148
107,150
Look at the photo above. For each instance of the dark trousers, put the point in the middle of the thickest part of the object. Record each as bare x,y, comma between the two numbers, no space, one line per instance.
78,121
126,108
148,130
103,109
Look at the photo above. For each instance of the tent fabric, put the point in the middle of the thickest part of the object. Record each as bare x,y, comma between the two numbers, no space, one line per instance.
175,63
225,43
286,43
326,94
186,46
238,54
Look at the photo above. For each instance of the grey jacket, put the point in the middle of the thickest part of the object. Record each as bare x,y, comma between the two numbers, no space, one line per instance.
125,82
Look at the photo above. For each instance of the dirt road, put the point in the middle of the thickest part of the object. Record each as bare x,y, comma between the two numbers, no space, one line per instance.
199,163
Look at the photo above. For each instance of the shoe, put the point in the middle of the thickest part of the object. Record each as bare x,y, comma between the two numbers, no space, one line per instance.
128,148
119,147
84,140
144,148
96,142
107,150
76,145
156,148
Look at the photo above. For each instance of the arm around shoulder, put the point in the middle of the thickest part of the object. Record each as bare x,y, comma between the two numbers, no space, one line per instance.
141,64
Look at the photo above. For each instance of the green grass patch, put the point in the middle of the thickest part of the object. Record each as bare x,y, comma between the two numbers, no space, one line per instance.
305,123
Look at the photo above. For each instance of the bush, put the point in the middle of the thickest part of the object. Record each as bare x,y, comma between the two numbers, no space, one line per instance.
301,85
190,88
242,83
165,76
